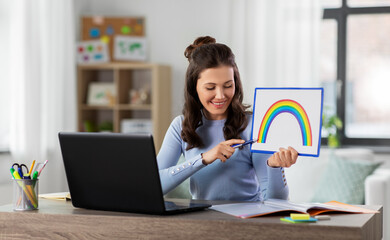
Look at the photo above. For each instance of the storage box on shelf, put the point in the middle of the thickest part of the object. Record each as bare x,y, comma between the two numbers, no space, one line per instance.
141,91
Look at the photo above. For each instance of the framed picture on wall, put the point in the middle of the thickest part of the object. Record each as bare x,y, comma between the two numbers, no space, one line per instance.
89,52
130,48
101,93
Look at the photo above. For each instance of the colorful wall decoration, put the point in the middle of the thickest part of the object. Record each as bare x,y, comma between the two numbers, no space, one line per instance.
285,117
92,52
106,28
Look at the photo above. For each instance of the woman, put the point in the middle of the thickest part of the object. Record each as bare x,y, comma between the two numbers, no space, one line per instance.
213,120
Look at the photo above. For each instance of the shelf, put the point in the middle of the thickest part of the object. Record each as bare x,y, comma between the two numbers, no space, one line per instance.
146,107
129,79
118,65
95,107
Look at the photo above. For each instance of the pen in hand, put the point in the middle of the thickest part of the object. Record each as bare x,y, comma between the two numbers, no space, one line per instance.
245,143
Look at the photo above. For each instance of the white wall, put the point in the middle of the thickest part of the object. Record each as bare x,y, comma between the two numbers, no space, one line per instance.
171,25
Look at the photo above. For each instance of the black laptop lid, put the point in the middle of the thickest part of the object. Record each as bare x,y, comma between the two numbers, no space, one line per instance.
112,171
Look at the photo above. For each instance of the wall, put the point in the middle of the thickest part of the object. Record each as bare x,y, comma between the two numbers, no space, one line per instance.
171,26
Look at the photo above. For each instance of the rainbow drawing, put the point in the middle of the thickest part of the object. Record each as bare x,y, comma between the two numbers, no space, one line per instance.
286,106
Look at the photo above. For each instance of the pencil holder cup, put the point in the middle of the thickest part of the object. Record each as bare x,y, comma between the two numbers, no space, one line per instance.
25,194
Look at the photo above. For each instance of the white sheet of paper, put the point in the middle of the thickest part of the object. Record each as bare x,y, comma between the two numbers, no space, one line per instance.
285,117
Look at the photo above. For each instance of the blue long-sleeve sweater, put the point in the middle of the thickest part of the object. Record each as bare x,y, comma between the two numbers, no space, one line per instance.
244,176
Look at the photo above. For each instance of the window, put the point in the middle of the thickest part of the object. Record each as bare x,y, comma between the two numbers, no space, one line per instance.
355,68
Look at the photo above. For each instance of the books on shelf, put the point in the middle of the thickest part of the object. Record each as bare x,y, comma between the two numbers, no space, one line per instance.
256,209
136,126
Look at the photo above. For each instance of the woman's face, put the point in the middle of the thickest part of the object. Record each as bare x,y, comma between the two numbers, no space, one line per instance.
215,88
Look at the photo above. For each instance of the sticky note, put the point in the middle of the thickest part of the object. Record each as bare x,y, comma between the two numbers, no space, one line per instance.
289,220
98,20
298,216
125,29
110,30
94,32
105,39
138,28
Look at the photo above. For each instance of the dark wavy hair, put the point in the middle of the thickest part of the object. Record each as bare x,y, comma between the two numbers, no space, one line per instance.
205,53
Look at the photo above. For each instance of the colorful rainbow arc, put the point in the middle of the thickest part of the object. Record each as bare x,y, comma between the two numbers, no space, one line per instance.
286,106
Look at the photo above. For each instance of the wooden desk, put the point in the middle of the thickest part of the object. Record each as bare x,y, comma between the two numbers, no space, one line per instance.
60,220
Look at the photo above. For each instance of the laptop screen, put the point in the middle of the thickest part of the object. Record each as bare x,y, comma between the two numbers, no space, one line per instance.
112,171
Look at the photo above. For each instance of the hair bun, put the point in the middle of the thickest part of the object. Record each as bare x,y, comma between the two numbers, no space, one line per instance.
197,43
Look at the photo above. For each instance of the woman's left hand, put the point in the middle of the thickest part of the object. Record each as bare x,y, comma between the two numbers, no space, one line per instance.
283,158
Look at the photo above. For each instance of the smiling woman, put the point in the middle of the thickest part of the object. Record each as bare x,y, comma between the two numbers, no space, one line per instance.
215,89
214,120
211,70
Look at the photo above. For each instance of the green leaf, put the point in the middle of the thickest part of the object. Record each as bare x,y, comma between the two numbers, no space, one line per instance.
333,141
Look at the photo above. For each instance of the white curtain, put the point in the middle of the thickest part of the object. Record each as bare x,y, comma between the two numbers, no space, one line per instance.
42,75
276,43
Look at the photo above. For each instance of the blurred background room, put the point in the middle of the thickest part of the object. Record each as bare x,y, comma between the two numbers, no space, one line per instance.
47,84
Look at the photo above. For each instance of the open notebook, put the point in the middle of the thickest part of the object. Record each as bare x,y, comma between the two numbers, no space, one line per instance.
256,209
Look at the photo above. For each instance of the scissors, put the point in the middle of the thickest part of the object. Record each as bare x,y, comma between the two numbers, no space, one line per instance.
20,170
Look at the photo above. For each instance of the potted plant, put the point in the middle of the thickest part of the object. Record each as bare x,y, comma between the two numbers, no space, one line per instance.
106,126
331,123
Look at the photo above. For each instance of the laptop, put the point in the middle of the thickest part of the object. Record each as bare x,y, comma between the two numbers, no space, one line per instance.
116,172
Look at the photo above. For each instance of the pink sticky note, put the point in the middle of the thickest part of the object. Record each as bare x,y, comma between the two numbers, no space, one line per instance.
98,20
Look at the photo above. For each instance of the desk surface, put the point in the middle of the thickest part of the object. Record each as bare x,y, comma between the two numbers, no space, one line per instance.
58,219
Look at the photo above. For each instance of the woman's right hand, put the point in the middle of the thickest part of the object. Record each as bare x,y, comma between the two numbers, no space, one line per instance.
222,151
